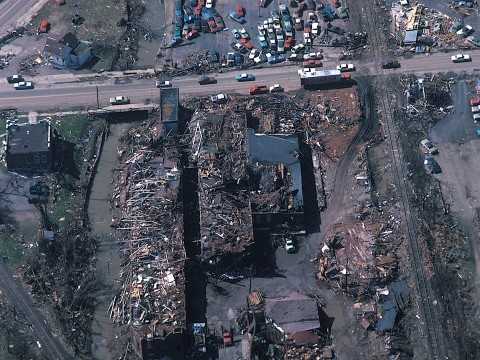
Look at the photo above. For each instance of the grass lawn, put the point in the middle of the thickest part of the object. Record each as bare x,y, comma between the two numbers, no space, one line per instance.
10,249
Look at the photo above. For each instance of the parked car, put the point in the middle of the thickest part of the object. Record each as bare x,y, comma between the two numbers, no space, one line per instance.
290,246
13,79
275,58
263,42
245,77
428,147
219,98
431,166
244,34
346,67
395,64
476,117
236,34
119,100
259,59
23,85
298,24
209,4
459,58
206,80
275,88
312,64
238,47
253,54
475,101
258,89
192,35
465,31
234,16
475,109
163,84
298,48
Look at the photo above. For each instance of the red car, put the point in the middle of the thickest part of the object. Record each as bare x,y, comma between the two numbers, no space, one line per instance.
192,35
240,10
258,89
475,101
246,43
212,25
312,64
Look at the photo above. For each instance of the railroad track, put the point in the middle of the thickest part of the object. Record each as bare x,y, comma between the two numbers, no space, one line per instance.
433,330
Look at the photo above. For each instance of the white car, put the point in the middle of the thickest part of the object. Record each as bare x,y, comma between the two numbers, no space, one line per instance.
315,28
219,98
275,88
428,147
209,4
259,59
163,84
244,34
346,67
236,34
294,57
253,54
476,109
459,58
298,48
119,100
290,246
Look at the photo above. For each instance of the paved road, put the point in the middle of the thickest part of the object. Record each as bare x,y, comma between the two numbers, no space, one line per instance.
15,13
70,91
51,346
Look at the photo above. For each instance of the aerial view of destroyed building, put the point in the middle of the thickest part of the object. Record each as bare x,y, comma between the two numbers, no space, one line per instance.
240,179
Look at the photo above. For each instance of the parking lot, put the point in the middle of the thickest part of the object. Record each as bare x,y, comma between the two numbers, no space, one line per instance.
222,42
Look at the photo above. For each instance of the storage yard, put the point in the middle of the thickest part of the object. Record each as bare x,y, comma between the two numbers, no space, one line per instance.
200,179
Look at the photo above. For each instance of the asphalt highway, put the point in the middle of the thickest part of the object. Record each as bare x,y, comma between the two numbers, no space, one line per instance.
68,92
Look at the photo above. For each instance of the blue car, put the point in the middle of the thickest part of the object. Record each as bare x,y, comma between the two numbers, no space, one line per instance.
245,77
233,15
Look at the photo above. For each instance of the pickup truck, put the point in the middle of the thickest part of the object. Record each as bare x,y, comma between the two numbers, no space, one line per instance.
346,67
119,100
163,84
13,79
258,89
206,80
23,85
395,64
459,58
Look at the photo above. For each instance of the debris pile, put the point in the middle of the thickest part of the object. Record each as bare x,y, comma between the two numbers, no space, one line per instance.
5,60
198,62
419,28
152,296
219,149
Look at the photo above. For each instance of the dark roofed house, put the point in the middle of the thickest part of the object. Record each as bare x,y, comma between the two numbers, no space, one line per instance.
30,148
295,317
68,52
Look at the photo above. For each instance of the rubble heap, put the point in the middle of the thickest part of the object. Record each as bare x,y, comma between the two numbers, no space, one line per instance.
219,149
152,297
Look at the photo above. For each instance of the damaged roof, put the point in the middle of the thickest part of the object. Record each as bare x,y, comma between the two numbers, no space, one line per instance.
278,149
294,313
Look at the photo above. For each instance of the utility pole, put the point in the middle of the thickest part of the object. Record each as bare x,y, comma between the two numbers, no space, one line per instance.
98,101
